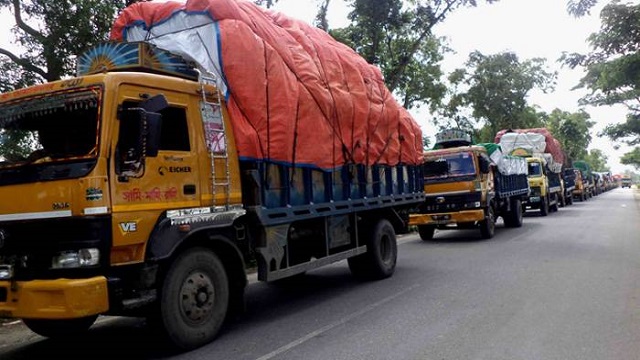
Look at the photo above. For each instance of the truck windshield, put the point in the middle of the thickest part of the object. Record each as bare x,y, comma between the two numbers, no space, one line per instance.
450,165
56,127
535,169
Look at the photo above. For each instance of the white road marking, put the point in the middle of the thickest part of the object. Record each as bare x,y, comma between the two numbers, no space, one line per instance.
328,327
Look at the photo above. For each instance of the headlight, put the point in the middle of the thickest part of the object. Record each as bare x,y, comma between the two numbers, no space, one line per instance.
76,258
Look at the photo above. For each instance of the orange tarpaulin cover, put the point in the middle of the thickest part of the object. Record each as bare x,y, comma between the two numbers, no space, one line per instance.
294,94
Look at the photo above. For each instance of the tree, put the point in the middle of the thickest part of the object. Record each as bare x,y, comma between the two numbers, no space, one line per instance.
497,89
52,33
572,131
632,158
267,3
597,160
613,68
580,7
397,36
321,20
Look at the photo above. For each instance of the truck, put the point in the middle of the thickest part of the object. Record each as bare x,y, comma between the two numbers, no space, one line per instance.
568,184
147,185
580,191
545,161
469,186
625,181
588,178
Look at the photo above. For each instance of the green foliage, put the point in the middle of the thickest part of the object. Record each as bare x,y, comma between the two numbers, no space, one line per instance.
613,67
397,36
597,160
572,131
632,158
496,91
51,34
580,7
627,132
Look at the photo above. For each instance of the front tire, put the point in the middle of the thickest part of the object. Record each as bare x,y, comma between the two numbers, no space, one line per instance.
59,329
194,299
379,261
426,232
488,225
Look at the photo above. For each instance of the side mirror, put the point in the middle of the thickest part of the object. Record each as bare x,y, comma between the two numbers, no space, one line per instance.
485,165
139,137
131,142
152,135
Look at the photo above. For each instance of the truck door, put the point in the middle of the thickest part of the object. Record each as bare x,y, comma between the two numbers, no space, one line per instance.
166,181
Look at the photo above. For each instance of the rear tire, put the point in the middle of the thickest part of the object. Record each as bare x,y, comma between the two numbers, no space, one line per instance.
194,299
60,329
514,218
544,206
379,261
555,206
426,232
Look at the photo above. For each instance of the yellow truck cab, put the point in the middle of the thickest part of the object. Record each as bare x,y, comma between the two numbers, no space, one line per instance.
546,187
465,189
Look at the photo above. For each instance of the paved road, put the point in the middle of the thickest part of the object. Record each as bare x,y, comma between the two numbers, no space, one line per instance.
566,286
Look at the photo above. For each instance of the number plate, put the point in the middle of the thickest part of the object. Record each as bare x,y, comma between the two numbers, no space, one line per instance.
534,199
441,218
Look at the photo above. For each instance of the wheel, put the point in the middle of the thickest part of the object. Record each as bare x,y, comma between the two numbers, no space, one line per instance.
64,328
426,232
379,261
544,206
514,218
194,299
570,200
554,207
561,201
488,225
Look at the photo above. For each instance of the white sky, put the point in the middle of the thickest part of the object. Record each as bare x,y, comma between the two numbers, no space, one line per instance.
530,28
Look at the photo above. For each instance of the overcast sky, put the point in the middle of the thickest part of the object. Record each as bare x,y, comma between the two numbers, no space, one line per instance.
530,28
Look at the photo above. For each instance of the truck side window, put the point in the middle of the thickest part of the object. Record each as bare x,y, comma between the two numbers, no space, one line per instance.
174,135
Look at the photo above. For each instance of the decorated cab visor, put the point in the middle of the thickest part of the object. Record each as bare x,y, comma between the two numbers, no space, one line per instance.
135,56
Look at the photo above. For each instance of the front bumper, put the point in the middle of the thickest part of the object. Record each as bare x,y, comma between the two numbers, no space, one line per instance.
54,299
458,217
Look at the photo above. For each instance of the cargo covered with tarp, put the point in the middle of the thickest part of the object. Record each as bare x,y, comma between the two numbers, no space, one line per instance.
511,177
533,142
295,95
507,164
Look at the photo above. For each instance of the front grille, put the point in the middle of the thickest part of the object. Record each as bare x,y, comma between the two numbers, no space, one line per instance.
450,203
535,191
3,294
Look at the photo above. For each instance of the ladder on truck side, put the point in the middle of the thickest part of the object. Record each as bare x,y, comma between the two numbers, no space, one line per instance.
215,138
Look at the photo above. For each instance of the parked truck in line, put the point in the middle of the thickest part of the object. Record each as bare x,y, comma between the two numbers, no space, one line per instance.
469,186
588,178
568,185
625,181
545,161
146,185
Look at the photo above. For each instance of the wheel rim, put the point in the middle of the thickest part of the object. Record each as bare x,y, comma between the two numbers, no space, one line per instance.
197,297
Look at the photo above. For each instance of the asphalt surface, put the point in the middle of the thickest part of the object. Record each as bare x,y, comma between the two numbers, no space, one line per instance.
566,286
